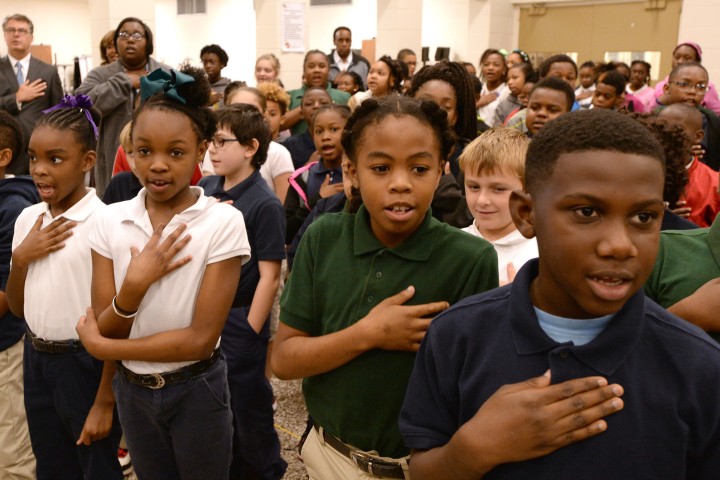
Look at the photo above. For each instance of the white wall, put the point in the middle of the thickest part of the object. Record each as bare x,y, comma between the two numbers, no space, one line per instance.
230,24
698,23
59,23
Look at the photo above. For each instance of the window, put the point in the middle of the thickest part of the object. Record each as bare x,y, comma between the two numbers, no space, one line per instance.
653,58
186,7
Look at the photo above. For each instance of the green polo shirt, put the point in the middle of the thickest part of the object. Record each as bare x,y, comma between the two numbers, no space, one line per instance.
338,96
340,273
687,260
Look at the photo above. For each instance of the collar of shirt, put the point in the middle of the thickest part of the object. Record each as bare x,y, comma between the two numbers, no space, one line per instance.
137,213
418,247
339,61
25,62
214,187
604,354
81,210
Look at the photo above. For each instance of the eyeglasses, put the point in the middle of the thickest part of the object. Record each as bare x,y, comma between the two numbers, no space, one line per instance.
20,31
137,36
220,142
699,87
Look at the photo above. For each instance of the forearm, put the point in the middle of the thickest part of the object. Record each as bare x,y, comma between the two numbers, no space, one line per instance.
15,290
292,118
451,461
104,394
305,356
263,300
112,325
185,344
694,312
4,308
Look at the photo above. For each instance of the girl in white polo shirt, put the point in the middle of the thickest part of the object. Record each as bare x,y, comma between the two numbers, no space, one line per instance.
162,297
69,403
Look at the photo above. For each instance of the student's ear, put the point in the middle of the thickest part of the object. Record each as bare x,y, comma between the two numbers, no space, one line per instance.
5,157
523,213
202,148
88,161
620,101
352,173
666,88
282,122
251,150
699,135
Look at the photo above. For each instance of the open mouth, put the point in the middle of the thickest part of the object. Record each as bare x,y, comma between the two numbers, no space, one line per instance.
399,213
610,288
45,190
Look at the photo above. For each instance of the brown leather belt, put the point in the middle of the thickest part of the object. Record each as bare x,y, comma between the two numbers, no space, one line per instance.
156,381
365,462
54,346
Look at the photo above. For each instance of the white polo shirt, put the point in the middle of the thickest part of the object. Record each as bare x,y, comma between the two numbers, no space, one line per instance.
218,233
57,287
278,162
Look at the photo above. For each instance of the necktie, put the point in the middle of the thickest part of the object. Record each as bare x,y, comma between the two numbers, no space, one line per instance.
20,76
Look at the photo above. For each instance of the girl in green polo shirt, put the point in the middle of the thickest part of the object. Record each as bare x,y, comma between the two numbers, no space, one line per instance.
365,287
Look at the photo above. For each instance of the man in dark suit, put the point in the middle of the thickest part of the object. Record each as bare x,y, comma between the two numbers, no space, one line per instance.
27,85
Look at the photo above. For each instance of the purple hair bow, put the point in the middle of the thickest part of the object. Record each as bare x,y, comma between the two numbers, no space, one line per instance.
80,101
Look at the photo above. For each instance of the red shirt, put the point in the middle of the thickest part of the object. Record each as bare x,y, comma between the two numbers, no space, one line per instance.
701,193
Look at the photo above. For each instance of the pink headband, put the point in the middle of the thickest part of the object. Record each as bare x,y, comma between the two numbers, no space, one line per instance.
694,46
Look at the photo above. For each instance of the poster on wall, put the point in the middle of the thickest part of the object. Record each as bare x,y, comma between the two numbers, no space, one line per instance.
293,27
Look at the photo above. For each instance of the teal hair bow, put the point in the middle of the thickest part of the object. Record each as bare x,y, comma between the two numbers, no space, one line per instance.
162,81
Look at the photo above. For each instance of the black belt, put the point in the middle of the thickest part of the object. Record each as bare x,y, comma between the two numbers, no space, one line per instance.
54,346
365,462
156,381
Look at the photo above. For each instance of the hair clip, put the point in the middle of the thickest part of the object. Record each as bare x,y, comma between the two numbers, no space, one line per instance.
80,101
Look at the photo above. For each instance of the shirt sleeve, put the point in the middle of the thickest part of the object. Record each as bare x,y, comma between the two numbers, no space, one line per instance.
428,418
297,306
279,160
270,231
99,233
230,239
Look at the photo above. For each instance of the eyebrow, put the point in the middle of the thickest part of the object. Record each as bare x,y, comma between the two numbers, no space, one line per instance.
173,142
380,154
598,200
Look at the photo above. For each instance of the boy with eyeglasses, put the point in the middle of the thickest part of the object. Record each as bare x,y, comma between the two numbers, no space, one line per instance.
238,150
688,83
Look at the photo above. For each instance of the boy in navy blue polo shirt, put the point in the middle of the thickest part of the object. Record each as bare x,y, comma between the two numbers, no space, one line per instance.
237,152
594,182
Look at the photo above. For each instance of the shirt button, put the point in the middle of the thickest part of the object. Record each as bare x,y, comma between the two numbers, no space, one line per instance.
564,354
371,299
378,275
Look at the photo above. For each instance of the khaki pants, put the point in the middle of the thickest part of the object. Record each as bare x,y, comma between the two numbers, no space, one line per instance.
16,456
323,462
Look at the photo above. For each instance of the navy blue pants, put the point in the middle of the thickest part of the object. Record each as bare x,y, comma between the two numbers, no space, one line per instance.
181,431
256,447
60,388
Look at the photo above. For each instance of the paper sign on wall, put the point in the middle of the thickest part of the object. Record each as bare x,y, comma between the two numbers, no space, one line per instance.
293,27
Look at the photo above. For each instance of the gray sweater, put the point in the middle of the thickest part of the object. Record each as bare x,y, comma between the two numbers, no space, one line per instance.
110,90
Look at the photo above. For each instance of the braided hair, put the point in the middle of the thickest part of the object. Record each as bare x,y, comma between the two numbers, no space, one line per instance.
460,80
75,120
374,110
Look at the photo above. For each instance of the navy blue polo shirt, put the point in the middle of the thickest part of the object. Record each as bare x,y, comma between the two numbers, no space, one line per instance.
670,370
264,221
123,186
301,147
316,177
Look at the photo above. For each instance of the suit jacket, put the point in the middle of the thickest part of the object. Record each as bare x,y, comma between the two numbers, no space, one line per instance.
29,112
110,90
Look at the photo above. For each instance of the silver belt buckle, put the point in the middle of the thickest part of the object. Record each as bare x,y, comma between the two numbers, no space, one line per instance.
357,457
160,382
